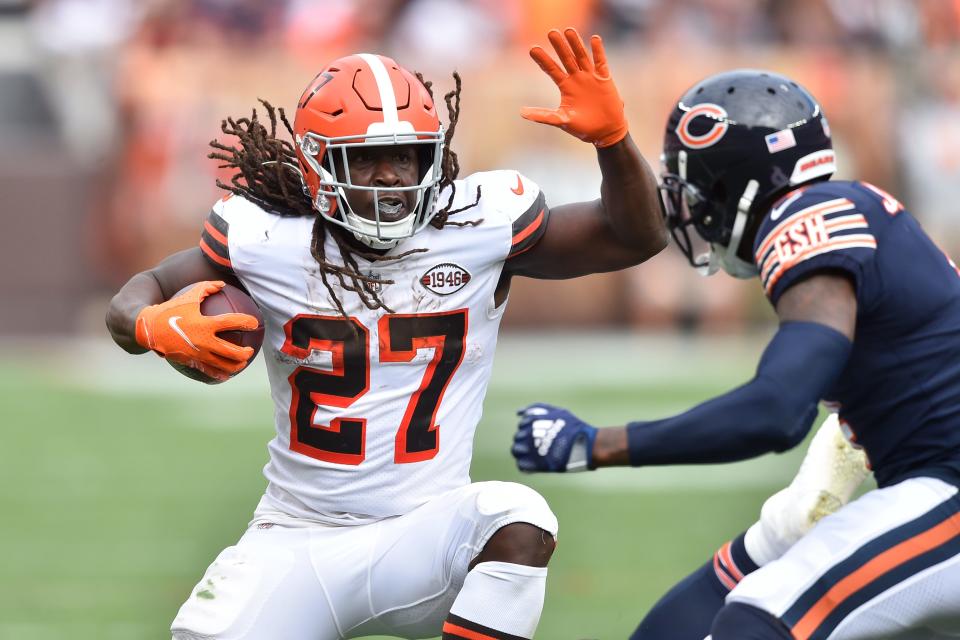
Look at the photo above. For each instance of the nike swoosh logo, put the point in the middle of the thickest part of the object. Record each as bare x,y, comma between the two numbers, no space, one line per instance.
519,188
172,321
776,213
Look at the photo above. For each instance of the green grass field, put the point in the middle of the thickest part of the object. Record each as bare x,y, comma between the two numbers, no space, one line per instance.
121,480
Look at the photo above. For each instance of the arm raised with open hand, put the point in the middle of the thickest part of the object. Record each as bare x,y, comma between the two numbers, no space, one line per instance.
625,225
590,105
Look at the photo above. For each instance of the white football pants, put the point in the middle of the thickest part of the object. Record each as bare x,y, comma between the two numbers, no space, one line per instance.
885,566
398,576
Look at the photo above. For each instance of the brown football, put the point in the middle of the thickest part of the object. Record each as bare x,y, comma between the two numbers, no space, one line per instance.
230,299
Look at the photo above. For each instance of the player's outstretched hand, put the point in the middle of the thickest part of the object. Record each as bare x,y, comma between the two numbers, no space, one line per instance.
550,438
590,105
178,331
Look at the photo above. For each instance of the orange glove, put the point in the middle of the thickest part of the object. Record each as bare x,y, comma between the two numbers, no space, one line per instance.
590,105
178,331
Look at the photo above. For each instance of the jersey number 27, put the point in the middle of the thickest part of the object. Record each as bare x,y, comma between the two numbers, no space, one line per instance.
344,440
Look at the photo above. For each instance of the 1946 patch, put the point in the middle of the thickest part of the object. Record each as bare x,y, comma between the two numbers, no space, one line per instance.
445,278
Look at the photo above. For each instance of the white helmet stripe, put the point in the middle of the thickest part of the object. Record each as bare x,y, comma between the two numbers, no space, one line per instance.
388,101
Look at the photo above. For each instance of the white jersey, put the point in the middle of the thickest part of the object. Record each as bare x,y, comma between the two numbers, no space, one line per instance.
376,415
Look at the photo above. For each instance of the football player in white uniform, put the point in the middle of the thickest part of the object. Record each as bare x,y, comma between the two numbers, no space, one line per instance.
382,279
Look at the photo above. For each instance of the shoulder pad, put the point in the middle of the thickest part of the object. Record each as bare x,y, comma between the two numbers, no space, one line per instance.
229,211
518,199
890,204
526,208
820,220
233,208
511,191
214,239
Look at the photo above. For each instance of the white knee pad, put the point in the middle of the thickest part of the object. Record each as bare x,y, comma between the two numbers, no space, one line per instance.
504,503
226,599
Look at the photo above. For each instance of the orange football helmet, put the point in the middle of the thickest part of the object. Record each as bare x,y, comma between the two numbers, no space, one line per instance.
366,99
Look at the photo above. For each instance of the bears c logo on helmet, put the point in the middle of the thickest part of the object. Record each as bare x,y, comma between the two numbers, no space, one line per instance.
713,112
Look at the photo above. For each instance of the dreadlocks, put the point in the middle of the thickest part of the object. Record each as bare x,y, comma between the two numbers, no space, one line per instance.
449,163
267,174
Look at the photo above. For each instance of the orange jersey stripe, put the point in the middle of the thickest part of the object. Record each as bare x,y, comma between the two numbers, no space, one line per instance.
533,226
833,245
886,561
219,237
851,239
845,223
449,627
213,256
519,251
840,221
823,208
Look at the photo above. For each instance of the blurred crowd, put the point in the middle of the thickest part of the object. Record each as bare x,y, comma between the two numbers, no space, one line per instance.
107,107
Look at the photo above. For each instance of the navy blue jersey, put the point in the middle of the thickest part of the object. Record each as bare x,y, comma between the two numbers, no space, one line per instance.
899,395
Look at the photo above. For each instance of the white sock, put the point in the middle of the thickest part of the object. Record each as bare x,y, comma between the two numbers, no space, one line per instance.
502,596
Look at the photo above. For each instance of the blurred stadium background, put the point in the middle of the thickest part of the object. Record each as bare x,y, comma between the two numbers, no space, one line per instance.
121,481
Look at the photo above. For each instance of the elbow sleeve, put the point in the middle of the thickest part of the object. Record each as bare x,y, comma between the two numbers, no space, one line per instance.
797,368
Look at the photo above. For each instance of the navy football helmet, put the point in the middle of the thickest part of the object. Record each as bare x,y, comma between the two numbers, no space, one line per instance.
736,142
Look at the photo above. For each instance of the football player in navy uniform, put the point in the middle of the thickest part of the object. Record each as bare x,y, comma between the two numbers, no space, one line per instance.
869,311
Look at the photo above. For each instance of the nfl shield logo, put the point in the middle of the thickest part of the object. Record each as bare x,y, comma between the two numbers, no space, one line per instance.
377,286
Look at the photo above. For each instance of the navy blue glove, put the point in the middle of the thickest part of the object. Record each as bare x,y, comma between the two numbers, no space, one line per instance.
549,438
